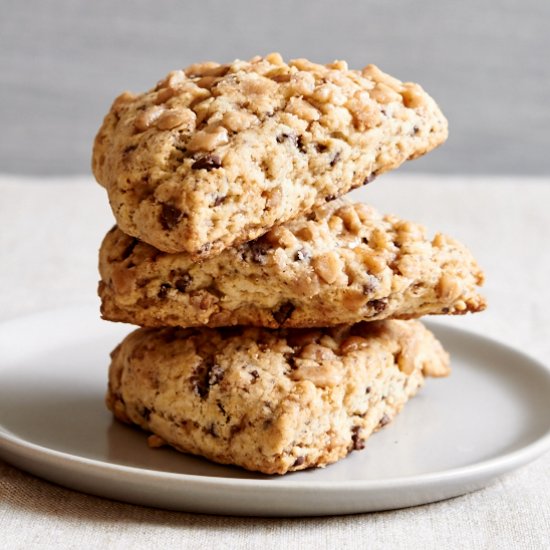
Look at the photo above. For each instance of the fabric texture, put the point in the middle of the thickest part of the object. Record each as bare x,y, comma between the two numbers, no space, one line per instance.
51,231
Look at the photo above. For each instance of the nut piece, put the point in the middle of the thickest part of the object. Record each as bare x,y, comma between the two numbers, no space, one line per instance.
351,219
374,73
155,441
384,94
325,374
123,99
364,111
172,80
412,95
302,109
449,288
302,84
147,118
352,343
237,121
208,139
281,237
172,118
328,266
210,68
373,263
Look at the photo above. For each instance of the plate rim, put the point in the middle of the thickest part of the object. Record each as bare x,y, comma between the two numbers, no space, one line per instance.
496,465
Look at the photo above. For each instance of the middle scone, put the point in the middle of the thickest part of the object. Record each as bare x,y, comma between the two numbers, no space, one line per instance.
343,263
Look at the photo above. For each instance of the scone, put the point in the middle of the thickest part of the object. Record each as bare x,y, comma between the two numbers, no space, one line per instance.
270,401
215,155
342,264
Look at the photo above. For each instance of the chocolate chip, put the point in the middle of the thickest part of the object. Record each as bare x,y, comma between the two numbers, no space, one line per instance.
416,129
254,375
358,442
212,430
205,248
183,282
220,406
207,162
219,199
255,251
329,198
369,287
169,336
286,135
215,375
129,149
302,255
384,420
299,461
145,413
335,158
283,313
291,360
445,310
206,375
297,141
170,216
163,290
369,178
235,429
321,147
129,249
368,390
378,305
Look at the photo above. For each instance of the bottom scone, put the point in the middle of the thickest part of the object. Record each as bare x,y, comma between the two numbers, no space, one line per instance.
272,401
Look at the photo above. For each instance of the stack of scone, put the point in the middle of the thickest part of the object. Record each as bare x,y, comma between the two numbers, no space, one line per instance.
277,316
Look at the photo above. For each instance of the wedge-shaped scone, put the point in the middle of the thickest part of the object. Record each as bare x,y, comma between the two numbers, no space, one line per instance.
215,155
343,264
271,401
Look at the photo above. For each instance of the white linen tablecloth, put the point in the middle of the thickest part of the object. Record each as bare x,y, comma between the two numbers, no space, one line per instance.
50,233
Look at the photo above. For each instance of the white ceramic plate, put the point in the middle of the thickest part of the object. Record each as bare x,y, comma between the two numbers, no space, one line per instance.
491,416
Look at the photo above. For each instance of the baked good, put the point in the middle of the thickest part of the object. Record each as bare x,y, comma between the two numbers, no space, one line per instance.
215,155
270,401
342,264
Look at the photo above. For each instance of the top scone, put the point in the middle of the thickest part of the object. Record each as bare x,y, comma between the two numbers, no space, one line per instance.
215,155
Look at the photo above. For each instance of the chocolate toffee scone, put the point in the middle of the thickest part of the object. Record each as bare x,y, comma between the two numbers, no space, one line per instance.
215,155
271,401
342,264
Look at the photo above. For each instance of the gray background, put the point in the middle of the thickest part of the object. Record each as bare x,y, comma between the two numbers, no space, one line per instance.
486,62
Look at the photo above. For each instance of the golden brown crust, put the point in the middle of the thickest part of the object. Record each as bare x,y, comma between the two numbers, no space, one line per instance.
270,401
215,155
342,264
